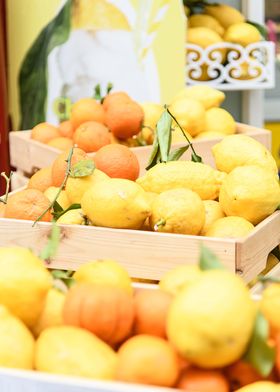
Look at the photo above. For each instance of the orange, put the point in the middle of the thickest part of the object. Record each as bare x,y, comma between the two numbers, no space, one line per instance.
151,307
27,204
115,98
149,360
125,119
61,143
41,180
200,380
86,109
66,129
44,132
117,161
60,165
91,136
277,364
2,209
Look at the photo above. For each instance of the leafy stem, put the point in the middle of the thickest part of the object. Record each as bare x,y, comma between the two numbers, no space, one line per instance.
4,199
161,222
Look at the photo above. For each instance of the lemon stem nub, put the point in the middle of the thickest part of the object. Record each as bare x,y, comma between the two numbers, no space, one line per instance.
161,222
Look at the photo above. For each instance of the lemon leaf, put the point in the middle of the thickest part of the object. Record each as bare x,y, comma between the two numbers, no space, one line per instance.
82,168
97,92
155,154
164,134
58,214
196,158
175,155
57,207
208,260
259,353
65,276
49,251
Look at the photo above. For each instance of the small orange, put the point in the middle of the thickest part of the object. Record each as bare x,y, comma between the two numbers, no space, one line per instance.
117,161
27,204
277,344
61,143
66,129
87,109
125,119
149,360
59,166
200,380
91,136
115,99
44,132
41,180
151,308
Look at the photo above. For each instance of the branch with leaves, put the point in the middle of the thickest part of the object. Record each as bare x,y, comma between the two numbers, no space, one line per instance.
4,198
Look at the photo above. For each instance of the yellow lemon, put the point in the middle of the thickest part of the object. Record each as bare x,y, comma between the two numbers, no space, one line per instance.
190,114
219,120
152,113
242,34
205,319
178,278
225,14
62,199
16,342
104,272
203,20
260,386
270,303
251,192
241,150
208,96
116,203
178,136
210,135
213,212
198,177
229,227
24,283
72,217
76,187
76,352
52,311
178,211
204,37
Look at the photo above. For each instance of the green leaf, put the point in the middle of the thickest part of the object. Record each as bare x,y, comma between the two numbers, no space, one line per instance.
109,88
164,134
33,72
261,28
57,207
278,208
62,108
74,206
97,92
82,168
65,276
49,251
155,154
176,154
208,260
196,158
259,354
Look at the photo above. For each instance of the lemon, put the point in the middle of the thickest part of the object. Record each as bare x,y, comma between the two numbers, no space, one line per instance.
72,217
62,199
270,303
210,322
116,203
152,113
204,37
230,227
190,114
76,352
203,20
225,14
241,150
76,187
242,34
210,135
24,283
260,386
213,212
178,211
104,273
208,96
251,192
198,177
178,278
16,342
178,136
219,120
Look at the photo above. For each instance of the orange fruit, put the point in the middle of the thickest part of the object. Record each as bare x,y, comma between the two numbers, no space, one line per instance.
91,136
27,204
115,98
86,109
149,360
151,307
59,166
44,132
117,161
2,210
200,380
66,129
61,143
125,119
277,364
41,180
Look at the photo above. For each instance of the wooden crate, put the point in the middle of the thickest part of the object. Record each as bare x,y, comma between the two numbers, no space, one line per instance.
144,254
29,155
